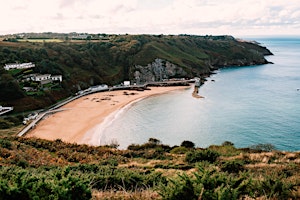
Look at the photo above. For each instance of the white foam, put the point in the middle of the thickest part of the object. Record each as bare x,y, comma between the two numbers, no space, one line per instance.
97,136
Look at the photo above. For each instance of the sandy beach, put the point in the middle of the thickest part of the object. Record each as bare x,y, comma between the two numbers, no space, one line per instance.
82,115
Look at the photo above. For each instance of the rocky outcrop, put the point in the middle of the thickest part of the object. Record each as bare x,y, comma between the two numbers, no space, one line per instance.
157,71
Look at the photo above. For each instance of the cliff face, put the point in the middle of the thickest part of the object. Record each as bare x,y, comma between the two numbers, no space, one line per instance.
190,56
157,71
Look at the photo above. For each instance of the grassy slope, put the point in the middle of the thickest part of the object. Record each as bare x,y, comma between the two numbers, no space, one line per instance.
144,171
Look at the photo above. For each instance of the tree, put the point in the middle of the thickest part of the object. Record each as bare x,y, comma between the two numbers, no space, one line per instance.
154,141
227,143
187,144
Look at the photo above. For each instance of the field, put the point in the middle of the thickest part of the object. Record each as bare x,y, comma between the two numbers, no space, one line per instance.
40,40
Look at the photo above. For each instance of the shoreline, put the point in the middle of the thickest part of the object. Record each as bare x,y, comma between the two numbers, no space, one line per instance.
78,123
95,136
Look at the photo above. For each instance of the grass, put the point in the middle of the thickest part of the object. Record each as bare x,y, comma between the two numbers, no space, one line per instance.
11,131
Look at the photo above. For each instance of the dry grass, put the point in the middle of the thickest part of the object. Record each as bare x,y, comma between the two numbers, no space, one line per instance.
125,195
11,131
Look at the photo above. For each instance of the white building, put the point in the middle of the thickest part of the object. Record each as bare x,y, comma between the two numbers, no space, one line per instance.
41,77
19,66
56,78
46,77
99,87
126,83
4,110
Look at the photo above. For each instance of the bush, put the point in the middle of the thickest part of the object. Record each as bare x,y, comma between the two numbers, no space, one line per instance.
179,188
206,184
4,124
179,150
201,155
232,166
17,183
4,143
188,144
276,188
227,143
263,147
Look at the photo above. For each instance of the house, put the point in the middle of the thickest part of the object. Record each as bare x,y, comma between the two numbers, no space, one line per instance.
41,77
19,66
45,78
56,78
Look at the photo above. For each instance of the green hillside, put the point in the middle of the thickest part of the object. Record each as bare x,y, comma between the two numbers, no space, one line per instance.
40,169
110,60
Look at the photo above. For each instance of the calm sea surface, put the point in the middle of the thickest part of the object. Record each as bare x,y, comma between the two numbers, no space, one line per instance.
246,105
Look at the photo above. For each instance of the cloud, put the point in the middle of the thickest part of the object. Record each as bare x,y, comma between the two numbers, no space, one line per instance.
152,16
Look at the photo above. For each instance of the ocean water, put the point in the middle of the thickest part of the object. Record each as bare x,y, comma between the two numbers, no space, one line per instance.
245,105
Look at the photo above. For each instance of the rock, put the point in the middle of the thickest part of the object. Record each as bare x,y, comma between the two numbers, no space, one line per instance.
157,71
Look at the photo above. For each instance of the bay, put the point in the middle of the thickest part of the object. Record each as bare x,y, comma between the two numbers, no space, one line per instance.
245,105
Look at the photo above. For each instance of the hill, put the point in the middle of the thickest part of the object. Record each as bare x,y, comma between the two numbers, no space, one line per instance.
111,59
40,169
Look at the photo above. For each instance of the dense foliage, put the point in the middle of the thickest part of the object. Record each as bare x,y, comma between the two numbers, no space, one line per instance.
110,60
40,169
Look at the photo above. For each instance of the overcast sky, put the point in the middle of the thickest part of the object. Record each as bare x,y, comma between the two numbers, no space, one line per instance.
200,17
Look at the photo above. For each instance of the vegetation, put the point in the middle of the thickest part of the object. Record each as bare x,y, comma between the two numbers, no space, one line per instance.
39,169
110,59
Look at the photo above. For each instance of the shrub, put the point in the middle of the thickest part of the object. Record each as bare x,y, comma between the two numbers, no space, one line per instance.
17,183
154,141
4,124
188,144
263,147
201,155
232,166
179,150
227,143
206,184
4,143
181,187
22,163
275,187
225,150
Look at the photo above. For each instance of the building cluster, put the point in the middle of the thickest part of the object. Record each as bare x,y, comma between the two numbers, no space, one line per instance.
19,66
43,78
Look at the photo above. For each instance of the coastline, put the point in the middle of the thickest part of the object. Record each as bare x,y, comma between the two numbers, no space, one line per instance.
78,123
95,136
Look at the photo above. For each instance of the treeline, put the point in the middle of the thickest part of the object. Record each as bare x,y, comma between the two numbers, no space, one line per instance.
39,169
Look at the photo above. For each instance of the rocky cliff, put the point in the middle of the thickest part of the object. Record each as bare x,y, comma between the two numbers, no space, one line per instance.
157,71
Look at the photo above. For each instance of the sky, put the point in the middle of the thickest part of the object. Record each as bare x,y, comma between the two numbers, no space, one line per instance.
198,17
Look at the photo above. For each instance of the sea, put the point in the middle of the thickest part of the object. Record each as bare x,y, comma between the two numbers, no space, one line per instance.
244,105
